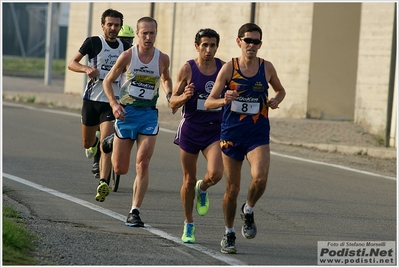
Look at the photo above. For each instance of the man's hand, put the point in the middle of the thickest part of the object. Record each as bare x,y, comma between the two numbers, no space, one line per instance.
230,96
119,112
92,72
273,103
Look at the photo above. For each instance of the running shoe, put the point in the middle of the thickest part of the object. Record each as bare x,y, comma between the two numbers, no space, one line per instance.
133,219
228,243
202,205
96,168
248,230
102,191
188,233
107,143
91,152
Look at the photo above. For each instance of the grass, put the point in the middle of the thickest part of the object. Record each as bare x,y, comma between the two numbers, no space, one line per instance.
19,64
17,240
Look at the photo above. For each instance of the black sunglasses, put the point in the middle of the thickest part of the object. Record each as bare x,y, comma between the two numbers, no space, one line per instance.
251,41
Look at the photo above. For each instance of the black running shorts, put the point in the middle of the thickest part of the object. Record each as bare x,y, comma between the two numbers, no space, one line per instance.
96,112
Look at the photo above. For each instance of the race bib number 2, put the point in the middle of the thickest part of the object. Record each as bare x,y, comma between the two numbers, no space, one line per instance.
141,93
143,87
245,107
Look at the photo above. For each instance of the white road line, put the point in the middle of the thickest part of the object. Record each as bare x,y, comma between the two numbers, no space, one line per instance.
174,131
110,213
333,165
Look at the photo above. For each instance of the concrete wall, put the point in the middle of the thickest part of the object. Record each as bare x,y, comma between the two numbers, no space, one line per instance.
374,66
333,64
329,56
287,32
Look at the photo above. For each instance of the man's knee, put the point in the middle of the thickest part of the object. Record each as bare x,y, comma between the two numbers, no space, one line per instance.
215,176
120,167
120,170
260,182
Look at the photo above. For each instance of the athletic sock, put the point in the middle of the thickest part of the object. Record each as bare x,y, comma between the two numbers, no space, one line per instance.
98,154
200,190
229,230
134,207
248,209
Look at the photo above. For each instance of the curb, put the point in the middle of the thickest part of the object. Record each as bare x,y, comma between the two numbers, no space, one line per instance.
383,153
68,101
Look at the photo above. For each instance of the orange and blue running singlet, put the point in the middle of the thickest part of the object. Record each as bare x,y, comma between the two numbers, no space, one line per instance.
245,124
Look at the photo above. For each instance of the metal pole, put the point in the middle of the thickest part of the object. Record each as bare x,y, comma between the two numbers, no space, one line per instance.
49,46
17,30
88,33
391,82
253,10
56,30
173,39
152,9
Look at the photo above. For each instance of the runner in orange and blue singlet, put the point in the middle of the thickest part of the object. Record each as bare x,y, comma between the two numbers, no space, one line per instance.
250,109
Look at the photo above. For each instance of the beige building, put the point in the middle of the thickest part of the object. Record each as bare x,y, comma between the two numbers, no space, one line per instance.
334,59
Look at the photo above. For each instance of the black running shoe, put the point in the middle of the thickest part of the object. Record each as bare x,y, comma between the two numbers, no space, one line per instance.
228,243
96,168
133,219
248,230
108,143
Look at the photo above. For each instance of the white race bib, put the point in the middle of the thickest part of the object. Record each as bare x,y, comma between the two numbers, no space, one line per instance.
245,107
143,87
104,71
201,106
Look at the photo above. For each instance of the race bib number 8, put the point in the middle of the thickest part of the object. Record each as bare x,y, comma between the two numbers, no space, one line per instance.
245,107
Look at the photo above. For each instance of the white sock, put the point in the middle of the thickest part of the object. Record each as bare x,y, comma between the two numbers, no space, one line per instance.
200,190
229,230
134,207
185,223
248,209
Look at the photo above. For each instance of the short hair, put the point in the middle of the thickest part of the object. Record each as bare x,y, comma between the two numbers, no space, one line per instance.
111,13
147,19
249,27
207,32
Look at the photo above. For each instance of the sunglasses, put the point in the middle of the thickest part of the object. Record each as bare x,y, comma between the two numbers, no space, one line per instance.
251,41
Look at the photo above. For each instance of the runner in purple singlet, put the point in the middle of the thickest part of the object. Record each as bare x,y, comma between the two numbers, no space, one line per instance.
199,130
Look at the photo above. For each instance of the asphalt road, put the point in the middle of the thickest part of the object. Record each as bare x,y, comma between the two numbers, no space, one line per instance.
44,167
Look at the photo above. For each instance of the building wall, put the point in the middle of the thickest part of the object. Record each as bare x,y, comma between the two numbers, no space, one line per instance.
374,66
333,64
287,32
292,41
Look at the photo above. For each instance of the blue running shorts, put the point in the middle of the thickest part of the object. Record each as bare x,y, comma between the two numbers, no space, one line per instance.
138,120
238,150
